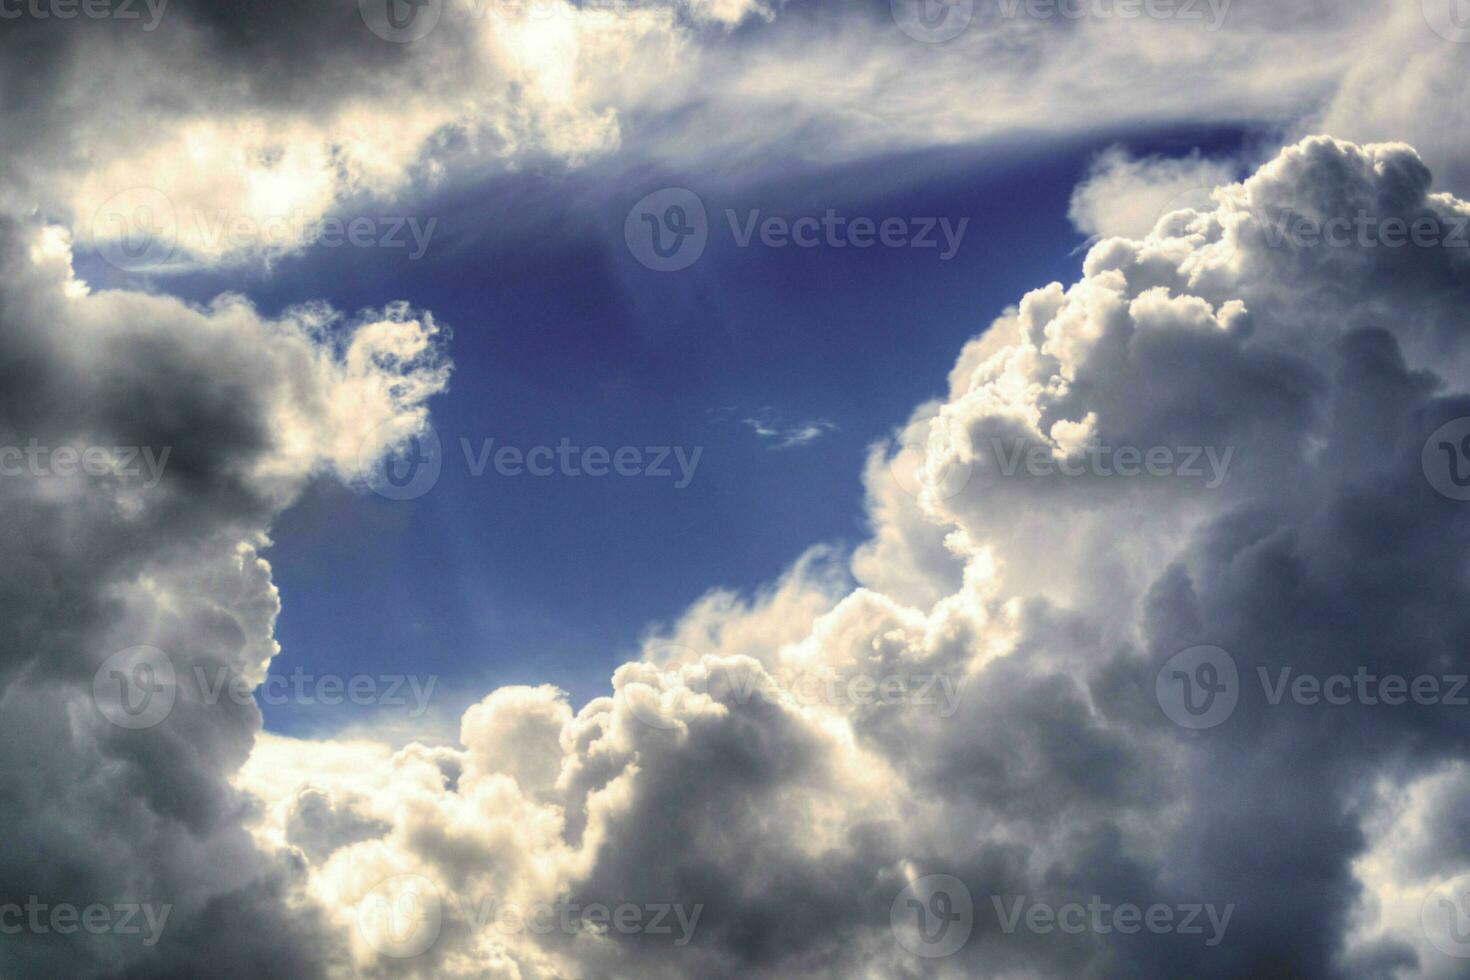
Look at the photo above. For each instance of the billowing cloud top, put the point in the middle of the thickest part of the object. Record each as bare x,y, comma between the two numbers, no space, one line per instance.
1210,460
1063,678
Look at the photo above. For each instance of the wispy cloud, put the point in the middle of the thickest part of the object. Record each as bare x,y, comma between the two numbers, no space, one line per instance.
768,425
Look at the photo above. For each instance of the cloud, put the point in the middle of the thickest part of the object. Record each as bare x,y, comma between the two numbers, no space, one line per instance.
776,773
788,764
255,138
1123,196
768,426
242,410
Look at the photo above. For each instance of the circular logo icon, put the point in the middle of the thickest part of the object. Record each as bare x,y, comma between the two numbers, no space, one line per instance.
1450,19
644,700
400,21
136,229
401,916
916,473
1445,916
933,916
667,230
409,468
1200,200
1446,459
1198,687
135,688
932,21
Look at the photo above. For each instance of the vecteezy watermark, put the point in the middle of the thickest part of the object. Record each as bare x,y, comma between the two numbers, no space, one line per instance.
571,460
401,21
921,689
402,916
1211,12
412,691
1206,920
91,9
668,230
1445,916
1450,19
1188,462
1445,459
932,21
933,916
919,472
1200,688
138,688
413,468
38,460
1365,230
743,684
139,229
97,919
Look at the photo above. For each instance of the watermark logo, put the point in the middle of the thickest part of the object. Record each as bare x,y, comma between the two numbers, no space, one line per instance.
933,21
91,9
409,469
136,229
1104,918
1201,201
1198,687
135,688
1445,916
401,916
120,919
667,230
39,460
919,474
138,687
413,467
933,916
140,229
1445,459
645,701
1450,19
568,459
1211,12
1205,463
401,21
1366,230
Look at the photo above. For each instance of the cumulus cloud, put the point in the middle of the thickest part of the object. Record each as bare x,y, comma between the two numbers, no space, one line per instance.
976,695
129,802
788,765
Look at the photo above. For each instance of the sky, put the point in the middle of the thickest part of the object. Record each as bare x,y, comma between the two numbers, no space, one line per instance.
711,488
580,342
560,333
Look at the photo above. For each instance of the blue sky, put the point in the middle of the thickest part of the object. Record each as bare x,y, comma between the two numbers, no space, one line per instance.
560,333
1138,503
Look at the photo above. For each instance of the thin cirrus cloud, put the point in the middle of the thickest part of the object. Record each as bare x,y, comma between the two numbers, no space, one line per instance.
781,436
253,141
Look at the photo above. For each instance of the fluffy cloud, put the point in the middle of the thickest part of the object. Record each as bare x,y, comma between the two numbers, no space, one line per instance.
255,133
235,412
754,769
1124,197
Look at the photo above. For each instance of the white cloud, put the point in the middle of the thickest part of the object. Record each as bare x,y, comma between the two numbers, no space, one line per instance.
749,765
1126,197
